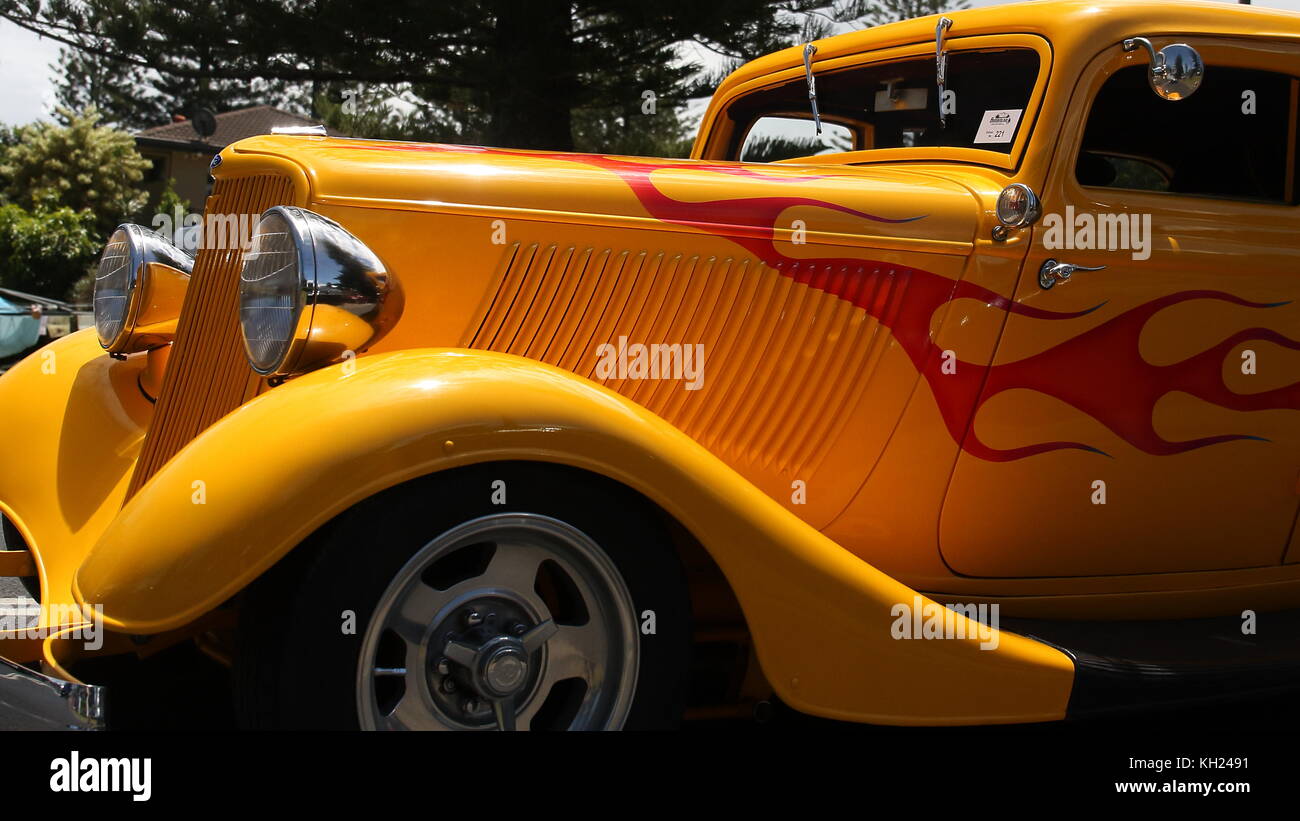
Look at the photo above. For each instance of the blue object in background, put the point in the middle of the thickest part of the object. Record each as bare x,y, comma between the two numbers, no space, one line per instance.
18,328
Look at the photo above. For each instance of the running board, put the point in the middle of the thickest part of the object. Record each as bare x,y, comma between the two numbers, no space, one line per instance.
1139,665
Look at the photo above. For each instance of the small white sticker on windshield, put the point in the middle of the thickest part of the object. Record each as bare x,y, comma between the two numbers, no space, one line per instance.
998,125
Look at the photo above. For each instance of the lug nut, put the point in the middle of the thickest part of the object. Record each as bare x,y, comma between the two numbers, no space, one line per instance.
443,667
470,705
519,629
473,618
449,685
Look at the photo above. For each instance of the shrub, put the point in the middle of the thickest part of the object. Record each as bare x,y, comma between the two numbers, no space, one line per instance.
83,165
45,252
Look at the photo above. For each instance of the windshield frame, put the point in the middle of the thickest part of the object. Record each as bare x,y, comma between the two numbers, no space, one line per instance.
721,128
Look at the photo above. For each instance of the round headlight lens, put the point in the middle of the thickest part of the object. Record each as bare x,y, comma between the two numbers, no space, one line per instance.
121,265
113,281
1018,206
271,293
310,293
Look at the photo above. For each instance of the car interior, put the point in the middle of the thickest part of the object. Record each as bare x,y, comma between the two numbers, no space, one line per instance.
1205,145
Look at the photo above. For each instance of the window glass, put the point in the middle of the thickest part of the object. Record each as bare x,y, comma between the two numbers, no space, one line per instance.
896,104
782,138
1229,139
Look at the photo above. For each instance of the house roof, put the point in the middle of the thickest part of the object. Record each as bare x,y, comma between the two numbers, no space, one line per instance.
232,126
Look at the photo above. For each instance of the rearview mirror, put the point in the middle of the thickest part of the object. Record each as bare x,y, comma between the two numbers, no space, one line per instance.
1176,70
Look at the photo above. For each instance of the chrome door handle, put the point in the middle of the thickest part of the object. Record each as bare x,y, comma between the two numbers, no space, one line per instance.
1053,272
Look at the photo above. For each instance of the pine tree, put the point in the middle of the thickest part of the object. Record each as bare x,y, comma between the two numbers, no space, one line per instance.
120,92
537,74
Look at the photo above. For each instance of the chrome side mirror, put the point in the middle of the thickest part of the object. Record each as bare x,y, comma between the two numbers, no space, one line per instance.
1176,70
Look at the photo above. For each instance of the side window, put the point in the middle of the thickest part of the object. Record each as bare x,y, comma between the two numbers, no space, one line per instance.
1233,138
784,138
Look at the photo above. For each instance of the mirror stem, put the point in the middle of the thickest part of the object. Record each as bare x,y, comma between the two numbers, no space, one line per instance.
1157,59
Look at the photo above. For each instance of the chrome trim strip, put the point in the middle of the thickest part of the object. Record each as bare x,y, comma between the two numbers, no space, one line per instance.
34,701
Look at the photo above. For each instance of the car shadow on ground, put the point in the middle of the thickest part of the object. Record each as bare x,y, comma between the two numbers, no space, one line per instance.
1273,713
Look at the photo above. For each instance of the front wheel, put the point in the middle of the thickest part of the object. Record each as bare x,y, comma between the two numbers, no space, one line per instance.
565,608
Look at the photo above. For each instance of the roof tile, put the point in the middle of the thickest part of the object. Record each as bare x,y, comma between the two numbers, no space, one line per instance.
232,126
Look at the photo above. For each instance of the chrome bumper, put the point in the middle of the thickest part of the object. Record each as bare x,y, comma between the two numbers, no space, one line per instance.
34,701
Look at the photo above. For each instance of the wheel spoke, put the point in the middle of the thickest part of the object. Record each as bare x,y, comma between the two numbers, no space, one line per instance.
575,652
416,613
571,652
504,710
411,714
514,566
525,716
539,635
461,653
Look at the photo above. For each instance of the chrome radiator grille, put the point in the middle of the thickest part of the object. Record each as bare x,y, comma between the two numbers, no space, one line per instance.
207,374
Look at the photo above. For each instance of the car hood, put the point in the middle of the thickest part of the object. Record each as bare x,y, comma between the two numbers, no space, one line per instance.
875,205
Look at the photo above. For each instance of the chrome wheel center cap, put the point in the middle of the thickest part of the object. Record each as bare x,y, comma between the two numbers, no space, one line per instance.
503,668
506,670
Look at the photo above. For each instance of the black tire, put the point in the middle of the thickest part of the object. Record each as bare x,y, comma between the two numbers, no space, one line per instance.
297,667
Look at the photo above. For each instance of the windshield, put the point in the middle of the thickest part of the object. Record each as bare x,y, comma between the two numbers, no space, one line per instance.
891,105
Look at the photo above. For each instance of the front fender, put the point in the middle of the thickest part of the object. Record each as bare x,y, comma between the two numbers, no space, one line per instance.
73,420
258,482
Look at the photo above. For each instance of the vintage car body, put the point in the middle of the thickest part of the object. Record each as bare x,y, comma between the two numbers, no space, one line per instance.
892,409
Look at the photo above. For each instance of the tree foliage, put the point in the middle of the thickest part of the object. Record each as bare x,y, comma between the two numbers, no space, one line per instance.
136,97
84,166
880,12
46,251
115,90
597,75
542,74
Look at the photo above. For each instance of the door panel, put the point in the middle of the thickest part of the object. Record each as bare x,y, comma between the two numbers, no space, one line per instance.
1143,398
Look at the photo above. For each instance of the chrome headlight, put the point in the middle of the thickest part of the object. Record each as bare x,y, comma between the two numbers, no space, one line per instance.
124,296
309,292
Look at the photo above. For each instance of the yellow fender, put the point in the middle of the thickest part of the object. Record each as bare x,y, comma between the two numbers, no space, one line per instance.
75,419
258,482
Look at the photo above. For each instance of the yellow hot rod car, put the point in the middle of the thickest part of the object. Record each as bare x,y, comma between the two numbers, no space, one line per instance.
953,379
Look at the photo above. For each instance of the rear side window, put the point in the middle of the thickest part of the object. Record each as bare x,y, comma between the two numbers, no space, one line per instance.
1235,137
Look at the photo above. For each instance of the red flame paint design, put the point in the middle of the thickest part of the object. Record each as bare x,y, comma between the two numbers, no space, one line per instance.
1100,372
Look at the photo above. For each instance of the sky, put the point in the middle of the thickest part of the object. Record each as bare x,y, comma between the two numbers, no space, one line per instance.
27,82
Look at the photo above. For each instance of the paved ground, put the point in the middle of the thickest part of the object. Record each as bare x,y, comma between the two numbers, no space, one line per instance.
10,588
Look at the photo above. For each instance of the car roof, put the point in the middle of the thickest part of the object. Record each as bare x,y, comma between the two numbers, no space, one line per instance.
1067,24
